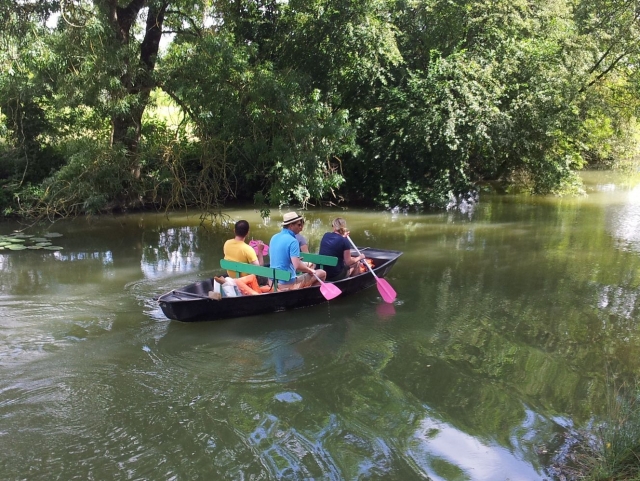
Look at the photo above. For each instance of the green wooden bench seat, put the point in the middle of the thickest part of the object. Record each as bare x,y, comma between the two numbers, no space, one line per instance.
272,273
319,260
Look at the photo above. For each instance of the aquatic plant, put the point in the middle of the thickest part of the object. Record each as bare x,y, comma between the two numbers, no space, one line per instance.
18,242
608,450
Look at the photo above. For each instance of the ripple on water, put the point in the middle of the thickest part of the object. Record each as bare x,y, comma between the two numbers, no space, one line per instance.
37,325
146,290
18,394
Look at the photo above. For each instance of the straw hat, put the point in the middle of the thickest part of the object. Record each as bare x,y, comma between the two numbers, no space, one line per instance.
291,217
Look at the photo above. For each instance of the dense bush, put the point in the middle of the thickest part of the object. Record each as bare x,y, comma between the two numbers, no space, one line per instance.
386,103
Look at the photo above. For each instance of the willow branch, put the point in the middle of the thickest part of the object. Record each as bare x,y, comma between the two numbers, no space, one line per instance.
179,101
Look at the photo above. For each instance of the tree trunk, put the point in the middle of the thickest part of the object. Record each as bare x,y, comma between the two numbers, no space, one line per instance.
137,80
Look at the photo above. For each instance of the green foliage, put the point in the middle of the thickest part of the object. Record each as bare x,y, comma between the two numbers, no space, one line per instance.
7,198
176,172
345,47
259,128
609,138
28,153
499,97
93,177
265,211
394,103
427,132
18,18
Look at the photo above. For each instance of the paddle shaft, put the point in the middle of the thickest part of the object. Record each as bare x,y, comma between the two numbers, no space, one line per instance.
365,262
384,288
190,294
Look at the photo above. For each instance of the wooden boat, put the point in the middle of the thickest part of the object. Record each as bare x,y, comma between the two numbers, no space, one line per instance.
191,303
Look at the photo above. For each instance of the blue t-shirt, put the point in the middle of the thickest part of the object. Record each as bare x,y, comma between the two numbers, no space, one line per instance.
282,248
333,244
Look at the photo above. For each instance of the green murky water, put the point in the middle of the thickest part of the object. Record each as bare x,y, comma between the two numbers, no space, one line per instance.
512,317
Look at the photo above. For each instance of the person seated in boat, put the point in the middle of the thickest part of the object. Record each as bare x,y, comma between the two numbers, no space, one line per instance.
238,250
247,285
284,253
336,244
303,243
304,247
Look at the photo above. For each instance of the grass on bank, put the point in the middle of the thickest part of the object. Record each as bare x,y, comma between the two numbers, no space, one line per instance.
610,450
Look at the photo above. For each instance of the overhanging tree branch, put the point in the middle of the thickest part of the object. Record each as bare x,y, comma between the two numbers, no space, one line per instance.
179,101
611,66
186,18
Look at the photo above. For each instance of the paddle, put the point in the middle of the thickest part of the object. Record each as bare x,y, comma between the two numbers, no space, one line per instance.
191,294
329,291
385,290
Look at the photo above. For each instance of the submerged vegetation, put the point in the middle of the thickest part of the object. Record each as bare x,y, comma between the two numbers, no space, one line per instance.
110,105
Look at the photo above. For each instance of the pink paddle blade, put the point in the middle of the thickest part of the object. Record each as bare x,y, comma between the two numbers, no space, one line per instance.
385,290
329,291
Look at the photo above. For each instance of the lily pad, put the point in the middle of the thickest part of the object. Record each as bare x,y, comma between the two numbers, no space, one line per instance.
18,241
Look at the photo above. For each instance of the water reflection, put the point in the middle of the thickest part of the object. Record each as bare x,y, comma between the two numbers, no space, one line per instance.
625,221
619,302
289,454
286,361
443,452
509,317
171,250
385,310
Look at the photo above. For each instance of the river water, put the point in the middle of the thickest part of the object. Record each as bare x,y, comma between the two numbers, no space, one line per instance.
514,317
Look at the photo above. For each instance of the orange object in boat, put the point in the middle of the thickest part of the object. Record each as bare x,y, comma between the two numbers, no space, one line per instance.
363,268
248,285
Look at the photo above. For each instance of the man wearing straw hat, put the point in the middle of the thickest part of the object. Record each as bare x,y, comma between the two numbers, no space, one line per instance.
284,253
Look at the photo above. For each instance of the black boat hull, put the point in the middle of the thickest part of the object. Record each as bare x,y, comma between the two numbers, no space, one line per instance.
191,304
